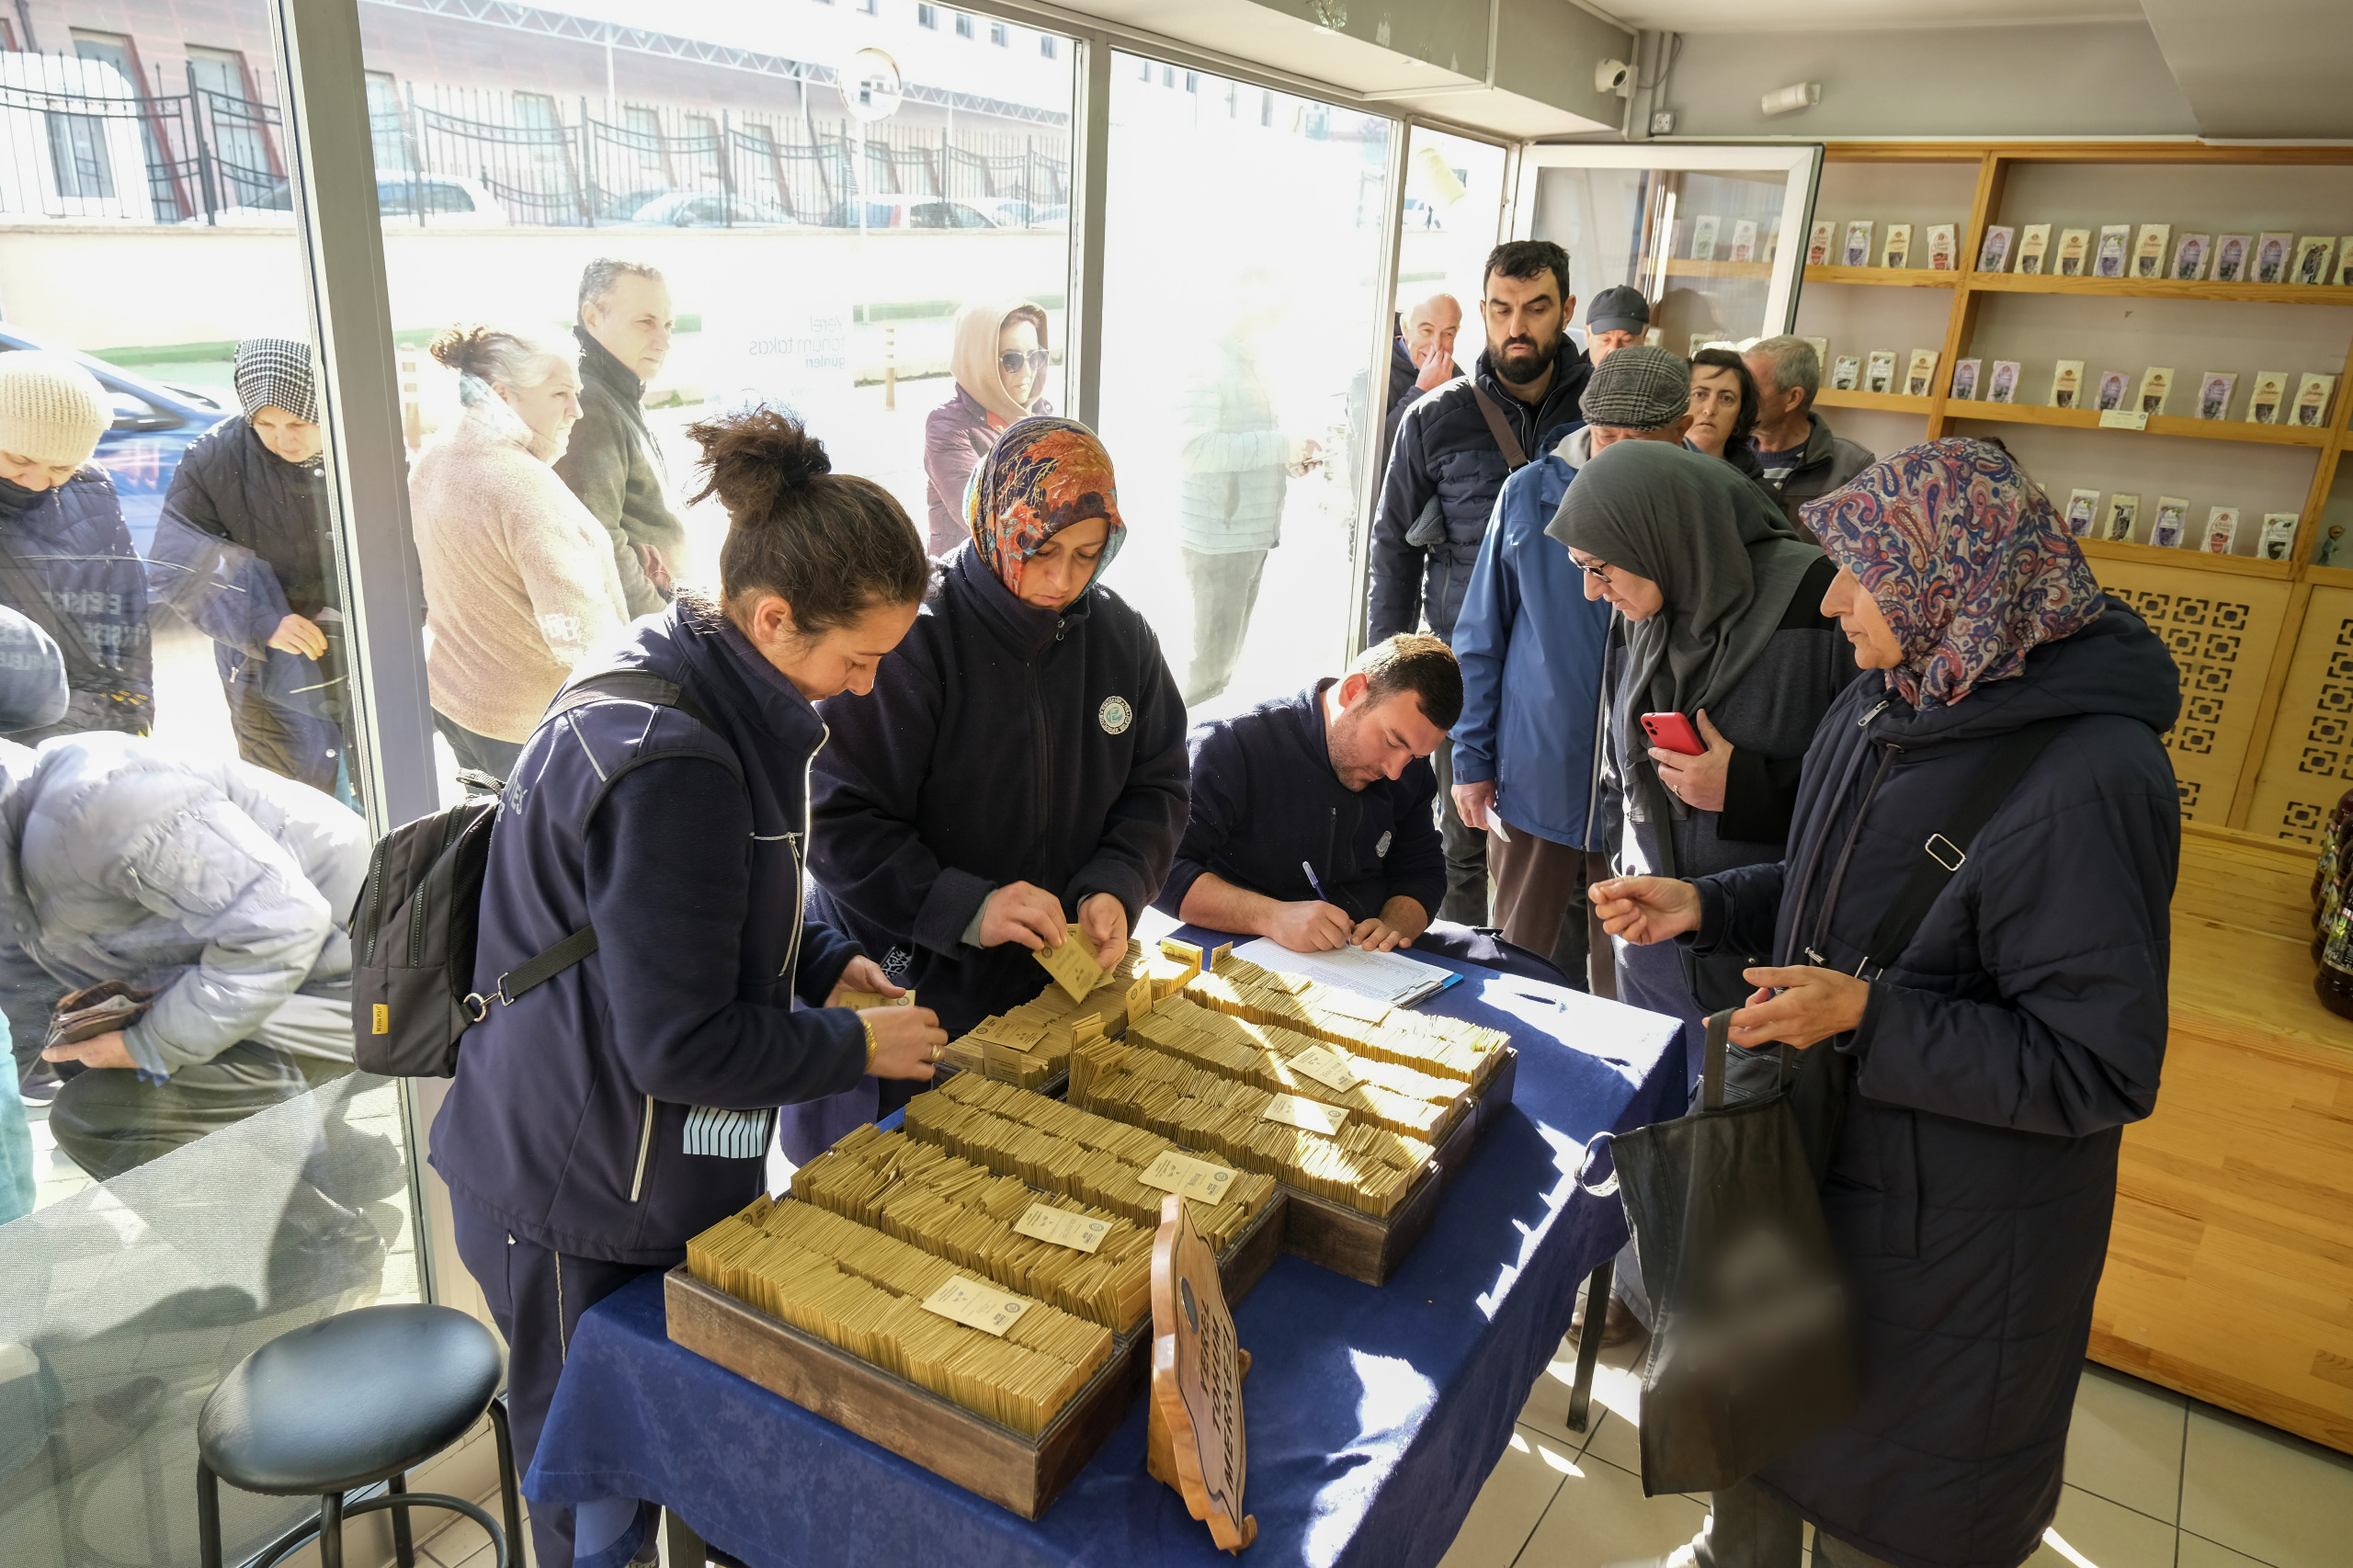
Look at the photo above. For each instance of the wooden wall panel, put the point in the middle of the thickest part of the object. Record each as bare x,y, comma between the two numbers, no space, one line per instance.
2222,630
2309,761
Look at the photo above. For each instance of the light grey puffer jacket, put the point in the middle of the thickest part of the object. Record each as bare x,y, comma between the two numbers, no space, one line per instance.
219,880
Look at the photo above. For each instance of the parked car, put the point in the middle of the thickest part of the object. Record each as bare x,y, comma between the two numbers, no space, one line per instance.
910,212
153,423
440,201
1011,213
708,210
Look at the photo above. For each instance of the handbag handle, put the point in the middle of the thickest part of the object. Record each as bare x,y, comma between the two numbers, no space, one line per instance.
1712,1060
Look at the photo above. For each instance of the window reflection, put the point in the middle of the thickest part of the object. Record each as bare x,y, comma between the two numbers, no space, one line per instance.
1233,372
187,1163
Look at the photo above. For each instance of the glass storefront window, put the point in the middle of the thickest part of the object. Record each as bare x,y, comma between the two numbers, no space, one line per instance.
1453,216
774,241
204,1171
1711,235
1244,245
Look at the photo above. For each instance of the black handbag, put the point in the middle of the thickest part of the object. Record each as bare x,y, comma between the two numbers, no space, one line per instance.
1750,1350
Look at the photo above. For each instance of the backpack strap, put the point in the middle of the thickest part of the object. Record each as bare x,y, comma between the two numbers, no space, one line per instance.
608,686
626,686
1943,854
1497,426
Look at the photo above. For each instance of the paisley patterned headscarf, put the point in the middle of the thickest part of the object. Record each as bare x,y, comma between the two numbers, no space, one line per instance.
1044,473
1967,559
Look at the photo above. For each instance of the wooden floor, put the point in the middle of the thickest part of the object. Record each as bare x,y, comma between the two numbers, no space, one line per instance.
2230,1273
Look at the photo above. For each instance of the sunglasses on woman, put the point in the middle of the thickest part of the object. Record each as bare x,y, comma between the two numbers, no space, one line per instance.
1013,361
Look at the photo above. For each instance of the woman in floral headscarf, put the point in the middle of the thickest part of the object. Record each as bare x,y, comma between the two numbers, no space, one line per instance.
1994,1059
1020,765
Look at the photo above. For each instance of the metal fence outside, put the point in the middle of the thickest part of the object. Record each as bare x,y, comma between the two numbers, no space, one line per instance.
79,141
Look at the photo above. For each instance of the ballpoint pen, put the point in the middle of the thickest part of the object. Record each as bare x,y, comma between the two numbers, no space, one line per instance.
1314,882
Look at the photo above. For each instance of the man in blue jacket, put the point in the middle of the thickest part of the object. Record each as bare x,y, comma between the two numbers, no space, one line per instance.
1531,645
1310,816
1448,466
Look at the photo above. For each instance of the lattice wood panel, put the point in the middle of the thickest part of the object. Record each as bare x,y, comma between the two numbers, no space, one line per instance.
2220,629
2310,760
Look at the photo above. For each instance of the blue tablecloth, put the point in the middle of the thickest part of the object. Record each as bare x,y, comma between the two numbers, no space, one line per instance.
1374,1415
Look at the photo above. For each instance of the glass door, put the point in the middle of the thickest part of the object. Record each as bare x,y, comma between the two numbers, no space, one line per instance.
1713,236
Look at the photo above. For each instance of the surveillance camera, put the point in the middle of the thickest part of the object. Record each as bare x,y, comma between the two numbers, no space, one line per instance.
1788,101
1609,76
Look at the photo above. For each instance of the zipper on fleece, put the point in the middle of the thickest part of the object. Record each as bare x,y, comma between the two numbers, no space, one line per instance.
798,844
644,1147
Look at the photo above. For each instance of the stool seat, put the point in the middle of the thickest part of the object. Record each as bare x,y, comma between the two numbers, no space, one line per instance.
349,1399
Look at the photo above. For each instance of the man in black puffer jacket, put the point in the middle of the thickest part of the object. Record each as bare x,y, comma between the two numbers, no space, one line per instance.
1445,470
241,550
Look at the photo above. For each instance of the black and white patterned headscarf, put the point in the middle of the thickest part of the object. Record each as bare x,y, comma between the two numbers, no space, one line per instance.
275,372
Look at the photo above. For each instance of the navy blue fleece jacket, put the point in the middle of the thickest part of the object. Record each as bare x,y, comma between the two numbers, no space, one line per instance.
1265,798
627,1104
1003,743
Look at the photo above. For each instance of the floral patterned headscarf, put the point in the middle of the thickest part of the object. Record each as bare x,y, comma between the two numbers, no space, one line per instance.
1045,474
1967,559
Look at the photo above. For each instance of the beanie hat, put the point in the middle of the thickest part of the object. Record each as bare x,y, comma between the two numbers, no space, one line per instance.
52,410
1638,388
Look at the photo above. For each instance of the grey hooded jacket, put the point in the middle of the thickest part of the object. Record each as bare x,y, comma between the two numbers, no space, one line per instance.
225,885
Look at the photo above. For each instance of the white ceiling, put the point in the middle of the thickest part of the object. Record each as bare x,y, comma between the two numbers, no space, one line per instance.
1823,16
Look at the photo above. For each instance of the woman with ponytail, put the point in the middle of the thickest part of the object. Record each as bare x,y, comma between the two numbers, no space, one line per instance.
602,1118
1021,766
519,579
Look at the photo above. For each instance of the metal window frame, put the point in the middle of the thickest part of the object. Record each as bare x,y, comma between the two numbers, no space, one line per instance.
331,155
322,72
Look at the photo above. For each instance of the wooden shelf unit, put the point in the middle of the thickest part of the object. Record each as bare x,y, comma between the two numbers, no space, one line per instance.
2265,647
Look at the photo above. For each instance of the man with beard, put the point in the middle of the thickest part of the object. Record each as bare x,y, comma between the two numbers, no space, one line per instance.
1454,449
1311,819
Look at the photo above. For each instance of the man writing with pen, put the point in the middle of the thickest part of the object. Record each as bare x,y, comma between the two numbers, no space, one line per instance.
1311,815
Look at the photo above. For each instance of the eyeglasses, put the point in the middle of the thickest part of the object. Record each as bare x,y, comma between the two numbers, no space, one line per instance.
1013,361
1598,571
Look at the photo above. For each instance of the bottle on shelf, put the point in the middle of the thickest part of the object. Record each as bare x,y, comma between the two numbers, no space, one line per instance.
2334,983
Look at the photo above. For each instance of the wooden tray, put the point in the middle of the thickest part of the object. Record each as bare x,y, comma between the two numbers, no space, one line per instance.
1351,1242
1020,1472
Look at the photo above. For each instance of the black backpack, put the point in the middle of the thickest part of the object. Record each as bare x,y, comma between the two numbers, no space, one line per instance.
413,929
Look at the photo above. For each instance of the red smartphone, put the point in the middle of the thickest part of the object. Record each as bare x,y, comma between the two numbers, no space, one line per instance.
1673,732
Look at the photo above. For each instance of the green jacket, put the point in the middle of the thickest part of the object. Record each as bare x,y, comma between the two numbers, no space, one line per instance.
614,466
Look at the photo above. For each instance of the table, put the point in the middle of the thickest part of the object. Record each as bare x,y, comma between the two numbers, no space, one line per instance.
1373,1415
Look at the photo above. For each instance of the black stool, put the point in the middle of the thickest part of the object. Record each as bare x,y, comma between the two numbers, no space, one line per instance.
361,1397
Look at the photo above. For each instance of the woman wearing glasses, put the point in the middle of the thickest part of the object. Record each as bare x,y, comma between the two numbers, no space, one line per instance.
1719,622
1000,361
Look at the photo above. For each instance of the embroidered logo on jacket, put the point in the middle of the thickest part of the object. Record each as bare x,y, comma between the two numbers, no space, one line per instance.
1380,851
1115,715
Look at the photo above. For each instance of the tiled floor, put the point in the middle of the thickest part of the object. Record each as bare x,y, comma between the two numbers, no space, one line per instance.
2154,1481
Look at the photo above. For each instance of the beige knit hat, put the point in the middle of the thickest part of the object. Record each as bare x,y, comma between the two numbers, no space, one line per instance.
52,410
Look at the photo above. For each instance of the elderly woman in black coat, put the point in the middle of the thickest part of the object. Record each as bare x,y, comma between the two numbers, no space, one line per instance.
1997,1059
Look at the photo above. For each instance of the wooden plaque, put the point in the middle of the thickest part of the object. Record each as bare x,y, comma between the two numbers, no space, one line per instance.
1198,1443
